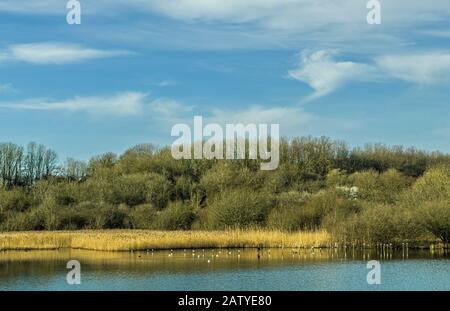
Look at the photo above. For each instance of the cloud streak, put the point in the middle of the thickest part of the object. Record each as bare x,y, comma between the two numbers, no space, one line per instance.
55,53
248,24
121,104
423,69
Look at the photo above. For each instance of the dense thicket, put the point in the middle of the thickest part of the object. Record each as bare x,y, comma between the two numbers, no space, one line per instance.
371,194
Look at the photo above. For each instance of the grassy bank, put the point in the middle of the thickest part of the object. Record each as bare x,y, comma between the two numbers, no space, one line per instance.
125,240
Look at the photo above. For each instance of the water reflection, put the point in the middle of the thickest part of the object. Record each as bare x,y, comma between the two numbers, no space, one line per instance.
26,270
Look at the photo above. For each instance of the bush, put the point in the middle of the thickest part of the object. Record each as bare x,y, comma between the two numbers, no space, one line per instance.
292,199
433,186
73,218
340,211
177,216
65,193
383,223
436,219
130,189
86,215
383,188
226,176
116,217
159,190
239,209
44,216
183,188
292,219
143,216
15,200
292,213
336,178
15,221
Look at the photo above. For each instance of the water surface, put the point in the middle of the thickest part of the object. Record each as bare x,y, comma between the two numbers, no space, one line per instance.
240,270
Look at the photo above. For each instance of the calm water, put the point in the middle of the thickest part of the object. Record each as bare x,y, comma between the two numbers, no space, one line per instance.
225,270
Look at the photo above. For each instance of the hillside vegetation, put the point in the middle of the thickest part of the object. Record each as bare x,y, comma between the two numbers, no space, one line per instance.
361,195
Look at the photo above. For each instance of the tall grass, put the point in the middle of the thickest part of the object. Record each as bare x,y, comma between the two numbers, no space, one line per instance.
125,240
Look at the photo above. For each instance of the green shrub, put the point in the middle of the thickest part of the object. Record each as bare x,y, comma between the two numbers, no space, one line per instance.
433,186
143,216
291,218
159,190
239,209
65,193
43,217
15,221
336,178
177,216
383,188
292,199
227,175
183,188
86,215
436,218
15,200
384,223
116,217
130,189
340,211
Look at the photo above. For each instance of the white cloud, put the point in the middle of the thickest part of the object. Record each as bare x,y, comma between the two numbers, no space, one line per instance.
252,24
293,120
167,83
54,53
169,110
288,116
424,69
326,75
293,14
122,104
166,112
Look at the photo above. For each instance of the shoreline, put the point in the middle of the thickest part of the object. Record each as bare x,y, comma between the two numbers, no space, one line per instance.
146,240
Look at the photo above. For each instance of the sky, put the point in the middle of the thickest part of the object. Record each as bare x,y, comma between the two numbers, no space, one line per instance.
132,69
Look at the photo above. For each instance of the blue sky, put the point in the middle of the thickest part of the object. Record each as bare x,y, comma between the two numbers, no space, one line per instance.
134,68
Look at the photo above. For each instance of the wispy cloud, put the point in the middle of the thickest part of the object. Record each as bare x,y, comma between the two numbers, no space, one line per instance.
293,120
424,69
288,116
165,83
325,75
54,53
322,73
122,104
168,110
251,24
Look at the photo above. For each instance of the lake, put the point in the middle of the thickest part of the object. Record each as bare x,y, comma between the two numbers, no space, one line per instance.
239,270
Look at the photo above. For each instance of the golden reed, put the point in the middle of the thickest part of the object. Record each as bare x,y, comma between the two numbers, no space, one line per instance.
126,240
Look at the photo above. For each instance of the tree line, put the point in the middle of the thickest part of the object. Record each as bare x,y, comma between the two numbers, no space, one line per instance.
370,193
21,166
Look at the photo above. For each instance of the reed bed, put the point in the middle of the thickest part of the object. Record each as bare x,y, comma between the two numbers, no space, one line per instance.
127,240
